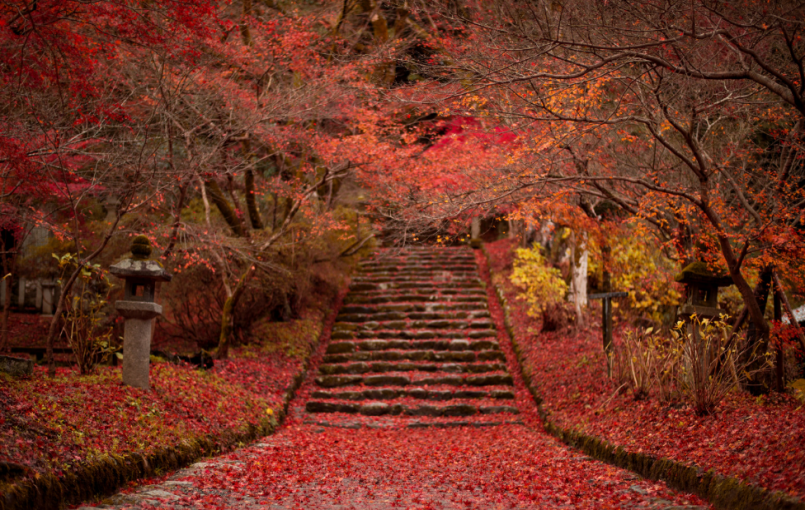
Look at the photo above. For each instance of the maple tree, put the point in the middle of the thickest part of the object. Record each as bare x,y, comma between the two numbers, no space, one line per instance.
156,110
623,104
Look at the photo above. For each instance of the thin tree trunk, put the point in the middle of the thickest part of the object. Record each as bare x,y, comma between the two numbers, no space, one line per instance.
251,202
226,317
779,362
761,294
579,275
245,33
8,278
224,208
177,216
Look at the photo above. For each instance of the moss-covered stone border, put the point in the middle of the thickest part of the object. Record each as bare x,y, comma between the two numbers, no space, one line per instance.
723,492
107,475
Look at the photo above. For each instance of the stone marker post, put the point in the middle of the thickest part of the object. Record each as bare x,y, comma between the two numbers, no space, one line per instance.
606,322
138,309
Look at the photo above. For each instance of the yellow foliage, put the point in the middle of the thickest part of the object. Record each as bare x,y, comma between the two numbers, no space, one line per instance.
541,285
639,268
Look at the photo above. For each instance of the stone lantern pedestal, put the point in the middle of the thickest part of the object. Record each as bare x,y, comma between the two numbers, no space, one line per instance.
139,310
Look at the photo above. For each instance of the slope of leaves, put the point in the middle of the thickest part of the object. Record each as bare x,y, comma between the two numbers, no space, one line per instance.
55,424
747,438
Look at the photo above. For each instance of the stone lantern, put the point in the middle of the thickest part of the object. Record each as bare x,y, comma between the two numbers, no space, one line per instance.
138,309
702,290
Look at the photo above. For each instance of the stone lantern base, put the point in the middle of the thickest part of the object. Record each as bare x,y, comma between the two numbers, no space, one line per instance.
139,317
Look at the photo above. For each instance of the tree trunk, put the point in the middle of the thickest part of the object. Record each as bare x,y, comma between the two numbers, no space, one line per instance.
756,341
578,281
226,316
779,362
251,202
53,330
475,228
747,293
177,218
245,33
761,294
224,208
9,280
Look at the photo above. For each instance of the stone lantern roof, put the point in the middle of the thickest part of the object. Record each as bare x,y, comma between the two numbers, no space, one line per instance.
139,265
699,273
143,269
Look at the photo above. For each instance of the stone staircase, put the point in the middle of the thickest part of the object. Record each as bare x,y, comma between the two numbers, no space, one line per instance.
414,345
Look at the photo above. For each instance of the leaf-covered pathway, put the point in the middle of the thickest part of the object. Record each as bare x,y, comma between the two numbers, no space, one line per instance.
416,402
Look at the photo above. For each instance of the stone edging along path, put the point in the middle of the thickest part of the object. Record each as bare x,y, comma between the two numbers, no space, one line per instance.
724,492
105,476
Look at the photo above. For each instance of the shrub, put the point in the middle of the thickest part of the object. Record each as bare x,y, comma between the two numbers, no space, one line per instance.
646,361
86,312
542,286
194,302
712,363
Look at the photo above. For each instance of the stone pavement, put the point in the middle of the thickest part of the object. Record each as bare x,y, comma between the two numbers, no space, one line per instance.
414,402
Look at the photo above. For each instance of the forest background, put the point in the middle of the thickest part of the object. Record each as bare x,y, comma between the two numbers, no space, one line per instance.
261,145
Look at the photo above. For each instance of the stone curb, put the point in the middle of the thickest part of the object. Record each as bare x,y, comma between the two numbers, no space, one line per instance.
106,475
723,492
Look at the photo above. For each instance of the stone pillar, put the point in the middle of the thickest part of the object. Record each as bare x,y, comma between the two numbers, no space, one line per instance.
48,295
39,293
137,341
475,232
21,293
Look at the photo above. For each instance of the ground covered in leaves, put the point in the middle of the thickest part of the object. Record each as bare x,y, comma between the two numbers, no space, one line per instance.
754,439
306,466
384,464
53,424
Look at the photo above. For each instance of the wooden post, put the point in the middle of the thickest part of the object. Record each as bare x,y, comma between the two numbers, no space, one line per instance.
606,323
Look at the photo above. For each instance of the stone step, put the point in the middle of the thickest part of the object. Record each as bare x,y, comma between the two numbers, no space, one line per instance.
422,334
424,286
420,273
432,294
415,379
414,307
407,408
385,257
429,393
419,261
445,277
382,367
417,345
407,325
410,355
411,316
412,298
418,268
430,281
357,421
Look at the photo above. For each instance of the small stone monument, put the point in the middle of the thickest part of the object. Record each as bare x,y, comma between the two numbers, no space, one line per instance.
138,309
702,289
